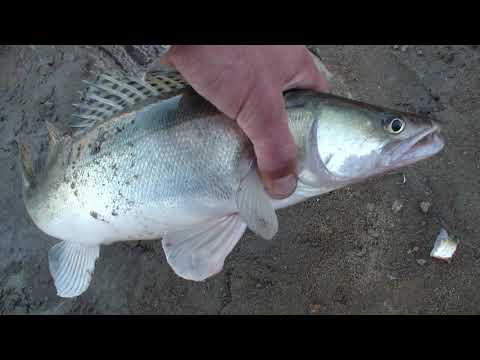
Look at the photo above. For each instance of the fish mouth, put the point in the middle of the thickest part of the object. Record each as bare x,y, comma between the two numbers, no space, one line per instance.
420,147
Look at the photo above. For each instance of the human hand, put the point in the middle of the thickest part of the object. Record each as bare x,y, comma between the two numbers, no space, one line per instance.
246,84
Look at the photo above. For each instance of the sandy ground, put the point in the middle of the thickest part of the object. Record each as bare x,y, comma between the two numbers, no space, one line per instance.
343,253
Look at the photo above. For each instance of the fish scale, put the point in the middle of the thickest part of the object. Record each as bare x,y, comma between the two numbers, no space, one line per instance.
182,164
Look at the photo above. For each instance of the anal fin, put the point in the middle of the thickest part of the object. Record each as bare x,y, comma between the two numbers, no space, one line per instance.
72,265
199,252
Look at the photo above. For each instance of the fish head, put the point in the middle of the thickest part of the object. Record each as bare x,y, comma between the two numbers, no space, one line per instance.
354,141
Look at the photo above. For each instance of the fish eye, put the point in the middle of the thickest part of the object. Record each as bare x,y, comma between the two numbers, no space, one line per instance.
395,126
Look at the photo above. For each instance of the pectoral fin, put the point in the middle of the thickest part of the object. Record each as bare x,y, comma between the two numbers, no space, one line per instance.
199,252
255,206
72,266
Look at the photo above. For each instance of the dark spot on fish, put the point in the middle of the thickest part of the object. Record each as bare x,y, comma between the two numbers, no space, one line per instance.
114,213
96,149
79,149
98,143
130,144
262,222
136,176
72,185
97,216
75,193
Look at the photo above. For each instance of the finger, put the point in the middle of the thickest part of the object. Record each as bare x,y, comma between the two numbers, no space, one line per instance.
321,67
162,63
264,120
312,75
165,61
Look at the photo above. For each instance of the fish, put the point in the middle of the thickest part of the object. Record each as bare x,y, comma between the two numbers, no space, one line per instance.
148,158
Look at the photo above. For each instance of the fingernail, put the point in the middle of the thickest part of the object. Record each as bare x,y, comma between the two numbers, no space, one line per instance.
283,187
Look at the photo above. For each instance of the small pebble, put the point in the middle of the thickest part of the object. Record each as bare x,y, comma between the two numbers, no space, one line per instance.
132,243
361,252
397,206
316,308
48,104
258,286
396,47
425,206
414,250
419,52
373,233
421,262
404,48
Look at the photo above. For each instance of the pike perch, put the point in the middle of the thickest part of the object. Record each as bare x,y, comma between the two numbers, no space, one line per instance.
140,164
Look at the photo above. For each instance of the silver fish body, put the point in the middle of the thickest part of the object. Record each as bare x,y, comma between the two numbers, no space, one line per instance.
143,173
168,166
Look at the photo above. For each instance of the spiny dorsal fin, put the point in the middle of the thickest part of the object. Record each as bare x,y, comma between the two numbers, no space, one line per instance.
166,81
111,94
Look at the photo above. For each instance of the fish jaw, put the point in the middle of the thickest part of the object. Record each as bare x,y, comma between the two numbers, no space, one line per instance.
420,147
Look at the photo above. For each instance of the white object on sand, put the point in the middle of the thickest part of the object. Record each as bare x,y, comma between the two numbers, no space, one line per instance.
444,247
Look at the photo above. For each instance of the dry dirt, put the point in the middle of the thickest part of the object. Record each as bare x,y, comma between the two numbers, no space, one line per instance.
343,253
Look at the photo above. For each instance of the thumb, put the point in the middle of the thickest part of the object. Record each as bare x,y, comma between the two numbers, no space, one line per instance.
163,62
264,121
